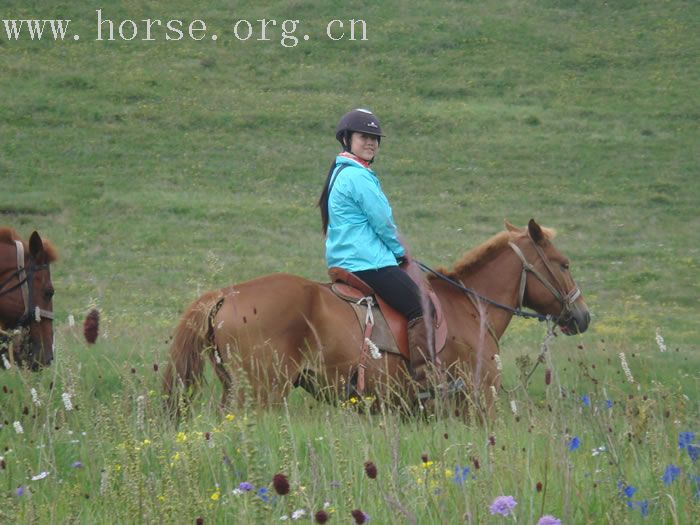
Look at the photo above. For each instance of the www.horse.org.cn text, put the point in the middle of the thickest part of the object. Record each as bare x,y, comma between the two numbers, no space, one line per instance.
287,33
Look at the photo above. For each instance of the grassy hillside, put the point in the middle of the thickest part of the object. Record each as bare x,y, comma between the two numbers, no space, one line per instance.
164,168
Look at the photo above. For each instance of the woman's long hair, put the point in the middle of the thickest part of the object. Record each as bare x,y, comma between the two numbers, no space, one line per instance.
323,199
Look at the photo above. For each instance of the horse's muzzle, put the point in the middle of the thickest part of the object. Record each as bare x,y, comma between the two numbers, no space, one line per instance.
577,321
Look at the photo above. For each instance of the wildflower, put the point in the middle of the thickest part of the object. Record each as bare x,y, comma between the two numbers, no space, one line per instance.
538,487
694,452
321,516
461,474
262,493
246,486
18,427
643,507
5,363
499,363
39,476
67,403
548,376
20,491
574,443
599,450
299,513
140,408
586,400
548,520
685,439
230,417
671,474
503,505
371,470
608,403
359,516
629,491
513,407
199,521
424,457
626,367
660,340
91,326
71,320
215,496
35,397
476,463
280,484
76,464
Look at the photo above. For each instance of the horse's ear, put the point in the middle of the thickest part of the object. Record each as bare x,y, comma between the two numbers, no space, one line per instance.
36,246
536,233
510,227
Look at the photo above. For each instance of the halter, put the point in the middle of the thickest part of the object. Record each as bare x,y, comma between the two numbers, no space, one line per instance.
26,284
565,299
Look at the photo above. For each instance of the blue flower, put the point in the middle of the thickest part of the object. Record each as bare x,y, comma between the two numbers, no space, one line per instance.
608,403
246,486
694,452
460,474
586,400
262,494
19,491
629,491
671,474
574,443
643,507
685,439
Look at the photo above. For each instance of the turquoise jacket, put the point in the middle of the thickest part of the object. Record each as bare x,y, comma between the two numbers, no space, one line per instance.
361,231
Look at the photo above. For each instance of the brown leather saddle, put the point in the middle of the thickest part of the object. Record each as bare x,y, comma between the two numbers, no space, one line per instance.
389,333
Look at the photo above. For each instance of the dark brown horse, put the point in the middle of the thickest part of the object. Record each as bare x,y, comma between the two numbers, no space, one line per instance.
278,329
26,310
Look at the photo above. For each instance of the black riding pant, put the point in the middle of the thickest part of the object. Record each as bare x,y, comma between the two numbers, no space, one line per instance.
396,288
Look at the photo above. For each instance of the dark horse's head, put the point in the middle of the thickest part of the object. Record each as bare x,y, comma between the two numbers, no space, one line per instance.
26,292
548,285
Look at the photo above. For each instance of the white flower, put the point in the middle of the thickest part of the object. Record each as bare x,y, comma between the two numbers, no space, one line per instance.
140,407
514,407
42,475
35,397
626,367
18,427
599,450
5,363
236,492
71,321
299,513
660,340
499,363
66,401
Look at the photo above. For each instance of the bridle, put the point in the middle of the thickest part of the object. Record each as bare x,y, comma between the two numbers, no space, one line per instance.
25,278
566,299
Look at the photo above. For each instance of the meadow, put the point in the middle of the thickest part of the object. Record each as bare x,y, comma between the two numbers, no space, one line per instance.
163,169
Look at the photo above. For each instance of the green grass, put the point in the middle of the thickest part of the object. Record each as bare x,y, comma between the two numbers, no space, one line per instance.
163,169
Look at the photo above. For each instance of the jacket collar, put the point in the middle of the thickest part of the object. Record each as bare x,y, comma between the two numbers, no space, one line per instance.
355,158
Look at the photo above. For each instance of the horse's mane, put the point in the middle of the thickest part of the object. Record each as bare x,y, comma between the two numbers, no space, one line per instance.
9,236
483,253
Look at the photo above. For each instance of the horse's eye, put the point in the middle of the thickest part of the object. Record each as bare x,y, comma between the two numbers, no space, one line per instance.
565,266
48,294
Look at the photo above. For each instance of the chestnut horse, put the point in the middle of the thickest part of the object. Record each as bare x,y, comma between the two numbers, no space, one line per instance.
26,310
280,329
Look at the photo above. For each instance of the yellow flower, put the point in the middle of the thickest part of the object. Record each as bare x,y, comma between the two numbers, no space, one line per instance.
117,467
427,464
353,400
181,436
146,441
176,456
215,496
230,417
161,498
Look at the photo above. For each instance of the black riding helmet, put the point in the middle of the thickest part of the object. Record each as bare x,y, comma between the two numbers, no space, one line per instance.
358,120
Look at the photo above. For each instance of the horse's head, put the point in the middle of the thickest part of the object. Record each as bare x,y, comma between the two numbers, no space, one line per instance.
546,284
26,301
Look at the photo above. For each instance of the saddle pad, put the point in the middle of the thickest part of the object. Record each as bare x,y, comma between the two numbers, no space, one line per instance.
381,333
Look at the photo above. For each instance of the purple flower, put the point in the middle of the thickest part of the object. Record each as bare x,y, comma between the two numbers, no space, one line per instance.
76,464
503,505
574,443
671,474
246,486
608,403
19,491
548,520
685,439
693,452
586,400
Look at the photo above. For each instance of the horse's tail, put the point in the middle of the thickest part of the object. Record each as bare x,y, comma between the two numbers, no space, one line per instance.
191,339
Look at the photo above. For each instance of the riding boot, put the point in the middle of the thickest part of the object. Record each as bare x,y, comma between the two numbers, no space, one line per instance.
419,351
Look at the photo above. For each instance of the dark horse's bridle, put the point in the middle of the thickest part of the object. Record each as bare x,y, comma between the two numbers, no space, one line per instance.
25,282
